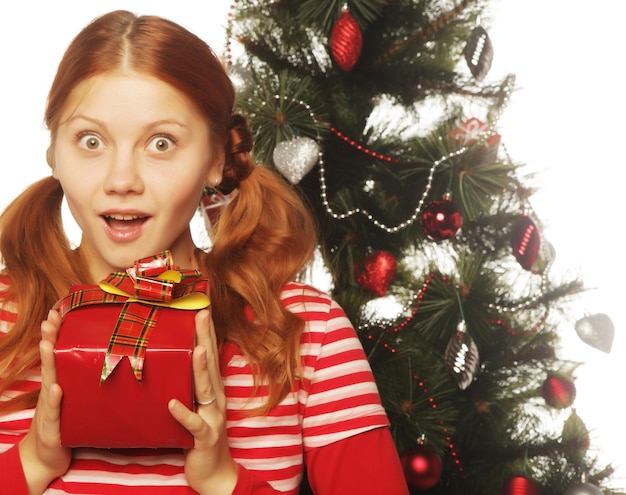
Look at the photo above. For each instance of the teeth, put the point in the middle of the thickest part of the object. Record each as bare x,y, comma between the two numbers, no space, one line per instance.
123,217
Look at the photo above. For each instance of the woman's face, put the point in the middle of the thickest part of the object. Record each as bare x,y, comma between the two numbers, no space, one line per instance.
132,154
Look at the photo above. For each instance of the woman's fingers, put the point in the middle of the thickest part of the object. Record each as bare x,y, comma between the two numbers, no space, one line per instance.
48,368
205,335
43,458
190,420
50,327
206,359
209,464
50,389
203,331
203,422
207,421
205,394
51,393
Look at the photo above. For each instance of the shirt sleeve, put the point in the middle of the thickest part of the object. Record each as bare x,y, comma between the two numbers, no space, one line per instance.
342,395
367,464
12,479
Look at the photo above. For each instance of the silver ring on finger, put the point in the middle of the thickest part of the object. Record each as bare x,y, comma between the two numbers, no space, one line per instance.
208,402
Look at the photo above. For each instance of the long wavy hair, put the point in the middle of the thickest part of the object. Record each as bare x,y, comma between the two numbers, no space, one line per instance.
264,238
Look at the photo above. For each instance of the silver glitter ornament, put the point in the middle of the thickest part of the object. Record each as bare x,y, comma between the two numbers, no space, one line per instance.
294,159
596,330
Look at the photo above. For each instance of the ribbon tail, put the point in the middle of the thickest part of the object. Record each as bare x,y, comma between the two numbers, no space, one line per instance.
136,363
130,338
110,362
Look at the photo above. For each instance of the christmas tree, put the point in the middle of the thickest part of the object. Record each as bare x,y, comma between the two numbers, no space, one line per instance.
383,114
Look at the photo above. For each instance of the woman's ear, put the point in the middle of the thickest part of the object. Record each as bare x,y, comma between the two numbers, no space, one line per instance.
214,181
51,161
216,171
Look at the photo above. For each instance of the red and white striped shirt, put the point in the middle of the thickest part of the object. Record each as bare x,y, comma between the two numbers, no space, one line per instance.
336,400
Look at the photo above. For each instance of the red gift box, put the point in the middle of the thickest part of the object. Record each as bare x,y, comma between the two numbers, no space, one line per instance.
473,130
111,401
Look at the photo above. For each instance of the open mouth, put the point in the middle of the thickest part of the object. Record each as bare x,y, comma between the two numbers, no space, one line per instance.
121,222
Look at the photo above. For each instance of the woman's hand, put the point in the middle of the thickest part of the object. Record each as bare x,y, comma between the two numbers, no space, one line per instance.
209,467
43,458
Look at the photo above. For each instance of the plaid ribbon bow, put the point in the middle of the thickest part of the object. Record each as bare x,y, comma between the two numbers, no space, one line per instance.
151,283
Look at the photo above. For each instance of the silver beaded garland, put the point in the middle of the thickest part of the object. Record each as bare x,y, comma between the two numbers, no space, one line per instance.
416,213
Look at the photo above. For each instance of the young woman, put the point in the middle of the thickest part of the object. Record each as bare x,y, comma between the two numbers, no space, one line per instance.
141,120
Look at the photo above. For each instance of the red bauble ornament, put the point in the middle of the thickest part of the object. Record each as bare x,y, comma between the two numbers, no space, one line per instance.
558,390
441,219
519,485
346,41
377,272
422,467
525,241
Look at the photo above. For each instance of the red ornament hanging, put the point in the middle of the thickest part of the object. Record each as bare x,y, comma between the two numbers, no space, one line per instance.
346,41
422,466
377,272
525,241
519,485
441,219
558,390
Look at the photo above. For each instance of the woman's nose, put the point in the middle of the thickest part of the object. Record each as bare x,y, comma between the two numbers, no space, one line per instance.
124,173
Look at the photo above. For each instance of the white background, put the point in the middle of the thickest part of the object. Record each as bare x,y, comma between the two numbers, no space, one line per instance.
564,120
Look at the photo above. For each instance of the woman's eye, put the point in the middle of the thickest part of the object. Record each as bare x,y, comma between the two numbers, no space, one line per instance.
89,142
161,144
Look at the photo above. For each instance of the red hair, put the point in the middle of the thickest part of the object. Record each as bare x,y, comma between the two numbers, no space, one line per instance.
263,239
